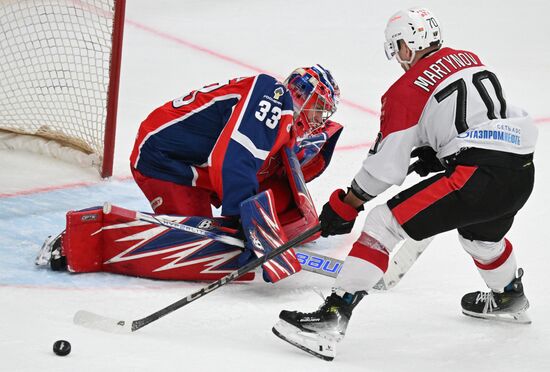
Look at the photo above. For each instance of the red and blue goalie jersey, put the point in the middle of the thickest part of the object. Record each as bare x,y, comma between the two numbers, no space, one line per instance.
219,138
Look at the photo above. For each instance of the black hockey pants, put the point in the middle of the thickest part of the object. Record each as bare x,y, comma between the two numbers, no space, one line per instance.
479,194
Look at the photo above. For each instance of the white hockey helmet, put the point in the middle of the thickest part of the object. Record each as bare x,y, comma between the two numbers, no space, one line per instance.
417,27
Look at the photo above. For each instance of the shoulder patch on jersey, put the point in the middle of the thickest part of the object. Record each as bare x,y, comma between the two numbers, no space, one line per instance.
279,91
272,90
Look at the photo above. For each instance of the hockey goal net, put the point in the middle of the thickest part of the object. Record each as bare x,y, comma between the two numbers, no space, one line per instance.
59,73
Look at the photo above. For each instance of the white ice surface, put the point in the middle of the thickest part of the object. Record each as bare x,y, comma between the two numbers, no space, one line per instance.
173,46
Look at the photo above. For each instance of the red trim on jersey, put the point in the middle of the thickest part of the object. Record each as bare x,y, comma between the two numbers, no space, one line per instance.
432,193
499,261
218,152
376,257
404,101
217,155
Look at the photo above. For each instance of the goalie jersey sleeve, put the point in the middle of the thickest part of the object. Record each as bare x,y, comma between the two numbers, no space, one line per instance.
217,138
449,101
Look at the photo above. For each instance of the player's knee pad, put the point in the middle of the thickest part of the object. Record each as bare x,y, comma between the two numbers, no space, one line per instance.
382,226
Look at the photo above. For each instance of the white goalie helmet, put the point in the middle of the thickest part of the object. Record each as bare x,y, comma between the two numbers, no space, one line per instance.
417,27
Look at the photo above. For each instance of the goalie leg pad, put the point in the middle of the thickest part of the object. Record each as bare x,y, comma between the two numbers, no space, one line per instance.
264,233
95,241
83,241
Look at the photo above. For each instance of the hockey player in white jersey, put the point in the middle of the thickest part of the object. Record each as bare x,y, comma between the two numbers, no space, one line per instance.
449,110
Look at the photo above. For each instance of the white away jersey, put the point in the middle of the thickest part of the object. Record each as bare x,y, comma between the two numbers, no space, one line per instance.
448,101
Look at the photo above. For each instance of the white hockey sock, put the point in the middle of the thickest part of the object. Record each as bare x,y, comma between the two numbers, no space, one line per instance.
495,261
364,266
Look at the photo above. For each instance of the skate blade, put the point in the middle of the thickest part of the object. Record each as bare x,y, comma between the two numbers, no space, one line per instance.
519,318
312,343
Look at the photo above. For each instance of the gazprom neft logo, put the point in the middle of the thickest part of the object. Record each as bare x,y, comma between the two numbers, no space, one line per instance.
492,135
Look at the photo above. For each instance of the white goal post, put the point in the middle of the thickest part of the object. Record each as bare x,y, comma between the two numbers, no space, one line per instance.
59,77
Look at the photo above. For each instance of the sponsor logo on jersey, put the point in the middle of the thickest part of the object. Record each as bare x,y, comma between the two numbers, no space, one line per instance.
278,93
275,100
492,135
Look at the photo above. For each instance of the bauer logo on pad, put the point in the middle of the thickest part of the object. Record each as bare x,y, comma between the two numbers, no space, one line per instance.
89,217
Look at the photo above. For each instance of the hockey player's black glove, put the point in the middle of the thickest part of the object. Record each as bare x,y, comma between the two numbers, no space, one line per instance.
427,161
337,217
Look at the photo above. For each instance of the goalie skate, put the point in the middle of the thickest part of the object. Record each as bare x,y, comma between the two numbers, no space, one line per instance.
320,345
50,254
509,306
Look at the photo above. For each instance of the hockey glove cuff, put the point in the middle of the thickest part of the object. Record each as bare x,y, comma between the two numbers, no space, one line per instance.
337,217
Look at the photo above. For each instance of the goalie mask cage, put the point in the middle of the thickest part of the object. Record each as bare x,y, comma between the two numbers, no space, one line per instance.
59,75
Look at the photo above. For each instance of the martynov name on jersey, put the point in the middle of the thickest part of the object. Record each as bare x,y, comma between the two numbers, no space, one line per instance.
444,66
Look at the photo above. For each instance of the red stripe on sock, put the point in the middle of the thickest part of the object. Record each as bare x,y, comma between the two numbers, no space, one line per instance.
499,261
376,257
434,192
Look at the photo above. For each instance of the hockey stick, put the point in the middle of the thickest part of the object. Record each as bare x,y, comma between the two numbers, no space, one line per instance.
399,265
402,261
95,321
108,208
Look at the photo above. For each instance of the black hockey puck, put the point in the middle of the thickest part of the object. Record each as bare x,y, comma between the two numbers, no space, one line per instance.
62,347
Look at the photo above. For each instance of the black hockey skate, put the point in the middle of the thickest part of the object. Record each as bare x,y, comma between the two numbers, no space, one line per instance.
50,253
318,332
508,306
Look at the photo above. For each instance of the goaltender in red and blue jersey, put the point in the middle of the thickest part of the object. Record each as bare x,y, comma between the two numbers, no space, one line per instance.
251,141
215,139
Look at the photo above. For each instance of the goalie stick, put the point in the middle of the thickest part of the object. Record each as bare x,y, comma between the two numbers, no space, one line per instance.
96,321
400,263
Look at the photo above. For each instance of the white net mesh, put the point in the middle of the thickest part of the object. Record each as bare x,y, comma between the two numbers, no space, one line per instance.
54,69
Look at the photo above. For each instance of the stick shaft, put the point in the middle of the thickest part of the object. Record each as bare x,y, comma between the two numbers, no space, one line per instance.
140,323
